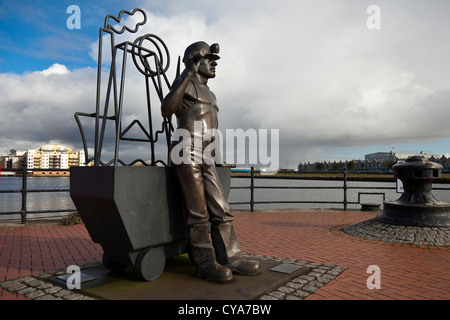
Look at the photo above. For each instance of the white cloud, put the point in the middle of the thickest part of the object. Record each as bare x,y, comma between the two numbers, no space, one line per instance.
55,69
38,107
311,69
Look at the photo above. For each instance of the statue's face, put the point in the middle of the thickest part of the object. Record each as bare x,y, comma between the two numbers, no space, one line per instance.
207,67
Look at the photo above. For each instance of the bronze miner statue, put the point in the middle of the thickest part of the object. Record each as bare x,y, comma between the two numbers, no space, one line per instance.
216,258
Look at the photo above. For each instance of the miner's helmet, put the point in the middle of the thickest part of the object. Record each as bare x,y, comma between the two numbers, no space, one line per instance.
202,49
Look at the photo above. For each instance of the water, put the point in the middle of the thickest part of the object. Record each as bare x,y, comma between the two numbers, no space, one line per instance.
36,201
323,195
61,200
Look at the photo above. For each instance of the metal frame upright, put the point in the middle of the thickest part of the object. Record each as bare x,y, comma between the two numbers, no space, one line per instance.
153,65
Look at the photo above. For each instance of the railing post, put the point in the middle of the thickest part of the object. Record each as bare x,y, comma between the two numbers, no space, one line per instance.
23,211
252,189
345,189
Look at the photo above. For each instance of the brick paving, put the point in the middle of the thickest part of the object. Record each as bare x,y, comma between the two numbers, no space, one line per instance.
314,237
408,271
35,249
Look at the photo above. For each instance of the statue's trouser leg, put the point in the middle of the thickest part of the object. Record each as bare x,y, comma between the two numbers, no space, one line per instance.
205,201
222,232
203,256
202,253
223,237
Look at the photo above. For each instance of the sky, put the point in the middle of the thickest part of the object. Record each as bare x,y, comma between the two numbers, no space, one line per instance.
338,79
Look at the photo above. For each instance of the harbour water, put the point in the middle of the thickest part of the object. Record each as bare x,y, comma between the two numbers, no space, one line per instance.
36,201
39,201
310,193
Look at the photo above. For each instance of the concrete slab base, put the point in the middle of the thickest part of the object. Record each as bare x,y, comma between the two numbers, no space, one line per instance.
179,283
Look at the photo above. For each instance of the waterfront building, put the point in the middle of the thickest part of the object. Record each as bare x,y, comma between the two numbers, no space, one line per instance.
49,156
374,162
14,160
380,156
443,161
394,156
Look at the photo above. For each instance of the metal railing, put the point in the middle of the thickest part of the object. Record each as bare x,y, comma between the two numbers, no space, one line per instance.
25,191
344,189
252,187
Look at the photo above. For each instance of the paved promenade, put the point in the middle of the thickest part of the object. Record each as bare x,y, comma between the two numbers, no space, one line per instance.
407,271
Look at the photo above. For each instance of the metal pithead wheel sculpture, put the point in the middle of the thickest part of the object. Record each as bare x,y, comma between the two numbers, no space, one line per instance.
151,57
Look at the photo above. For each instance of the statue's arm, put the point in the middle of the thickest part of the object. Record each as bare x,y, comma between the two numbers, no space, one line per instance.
173,100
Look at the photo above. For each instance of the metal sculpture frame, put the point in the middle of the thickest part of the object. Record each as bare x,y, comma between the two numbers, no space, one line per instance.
141,57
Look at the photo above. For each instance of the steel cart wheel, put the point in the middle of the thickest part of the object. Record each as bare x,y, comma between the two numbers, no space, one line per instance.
150,263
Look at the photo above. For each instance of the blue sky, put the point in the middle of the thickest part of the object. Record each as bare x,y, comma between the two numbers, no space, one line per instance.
334,87
34,33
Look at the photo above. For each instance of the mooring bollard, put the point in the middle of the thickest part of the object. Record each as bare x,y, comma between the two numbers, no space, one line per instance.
417,206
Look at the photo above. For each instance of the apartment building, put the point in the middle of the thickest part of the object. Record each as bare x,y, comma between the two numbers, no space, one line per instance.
49,156
13,160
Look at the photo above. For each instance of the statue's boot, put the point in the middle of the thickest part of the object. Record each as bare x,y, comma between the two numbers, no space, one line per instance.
228,252
203,256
